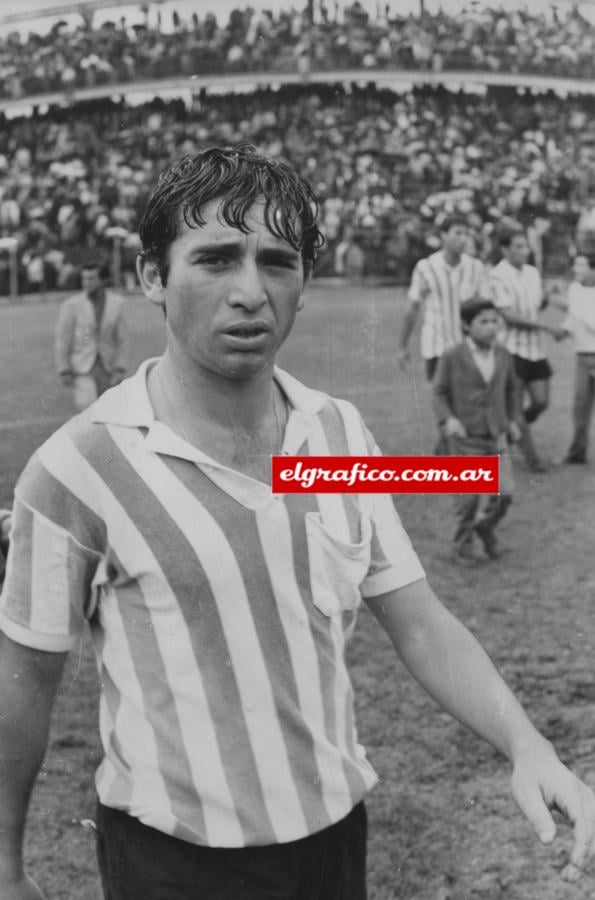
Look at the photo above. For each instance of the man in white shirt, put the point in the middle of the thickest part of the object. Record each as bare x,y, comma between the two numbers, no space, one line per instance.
440,284
518,294
580,325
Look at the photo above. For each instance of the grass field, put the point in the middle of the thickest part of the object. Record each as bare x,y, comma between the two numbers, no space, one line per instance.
443,826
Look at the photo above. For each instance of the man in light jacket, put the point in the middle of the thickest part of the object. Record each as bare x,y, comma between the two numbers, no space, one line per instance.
91,338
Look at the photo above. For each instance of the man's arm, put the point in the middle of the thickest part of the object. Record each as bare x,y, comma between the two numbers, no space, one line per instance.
411,316
450,664
120,363
63,341
513,400
418,291
29,680
442,398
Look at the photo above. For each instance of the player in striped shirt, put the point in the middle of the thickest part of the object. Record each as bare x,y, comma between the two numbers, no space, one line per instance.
439,285
519,295
220,611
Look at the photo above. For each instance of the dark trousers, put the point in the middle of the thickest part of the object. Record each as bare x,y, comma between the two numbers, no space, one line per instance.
472,509
139,863
582,407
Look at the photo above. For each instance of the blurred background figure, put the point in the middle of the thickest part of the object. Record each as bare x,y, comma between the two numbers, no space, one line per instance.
91,338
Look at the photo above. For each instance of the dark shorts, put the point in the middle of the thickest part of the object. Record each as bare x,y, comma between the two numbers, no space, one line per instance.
431,365
532,370
139,863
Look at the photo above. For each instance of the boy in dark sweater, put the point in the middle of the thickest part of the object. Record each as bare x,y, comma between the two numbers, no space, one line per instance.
476,400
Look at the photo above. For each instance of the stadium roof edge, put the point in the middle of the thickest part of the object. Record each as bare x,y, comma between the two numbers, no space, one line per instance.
397,80
57,9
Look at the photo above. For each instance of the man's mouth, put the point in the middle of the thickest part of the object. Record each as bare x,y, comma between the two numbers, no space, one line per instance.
247,330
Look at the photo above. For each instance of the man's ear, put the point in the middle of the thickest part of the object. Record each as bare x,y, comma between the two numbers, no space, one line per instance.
150,280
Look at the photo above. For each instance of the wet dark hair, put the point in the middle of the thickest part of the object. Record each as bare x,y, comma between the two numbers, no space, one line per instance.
472,308
239,176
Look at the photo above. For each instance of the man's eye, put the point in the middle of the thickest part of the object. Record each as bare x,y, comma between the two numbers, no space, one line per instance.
213,260
281,262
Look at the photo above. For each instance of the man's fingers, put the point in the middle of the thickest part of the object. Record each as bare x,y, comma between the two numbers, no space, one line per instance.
571,873
532,805
582,813
575,800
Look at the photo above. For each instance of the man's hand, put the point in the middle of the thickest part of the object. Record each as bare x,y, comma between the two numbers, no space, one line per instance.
454,428
66,378
514,432
23,889
540,783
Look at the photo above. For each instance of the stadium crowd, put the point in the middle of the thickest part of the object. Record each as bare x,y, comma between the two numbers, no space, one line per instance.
322,35
384,165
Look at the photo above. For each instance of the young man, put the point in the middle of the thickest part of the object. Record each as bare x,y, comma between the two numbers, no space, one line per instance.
580,324
91,338
220,611
518,293
476,403
440,284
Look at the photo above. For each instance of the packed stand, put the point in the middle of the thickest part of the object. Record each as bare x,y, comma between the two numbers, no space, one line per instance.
384,165
311,37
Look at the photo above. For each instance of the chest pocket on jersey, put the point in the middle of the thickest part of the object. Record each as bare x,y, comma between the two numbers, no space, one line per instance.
337,568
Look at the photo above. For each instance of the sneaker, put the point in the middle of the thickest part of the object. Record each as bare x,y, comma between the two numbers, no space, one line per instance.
576,460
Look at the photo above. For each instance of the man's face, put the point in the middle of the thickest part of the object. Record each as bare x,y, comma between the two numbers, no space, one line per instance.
517,252
455,239
231,298
90,280
484,328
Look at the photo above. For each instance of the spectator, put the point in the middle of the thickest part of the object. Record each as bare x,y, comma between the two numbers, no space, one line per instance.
518,294
91,338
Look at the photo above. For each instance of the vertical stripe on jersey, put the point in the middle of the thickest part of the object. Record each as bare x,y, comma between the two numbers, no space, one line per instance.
231,795
280,619
334,676
334,515
135,735
225,577
58,568
435,312
275,539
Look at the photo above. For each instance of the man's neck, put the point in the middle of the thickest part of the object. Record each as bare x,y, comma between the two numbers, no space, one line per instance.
239,424
484,349
97,296
451,259
210,398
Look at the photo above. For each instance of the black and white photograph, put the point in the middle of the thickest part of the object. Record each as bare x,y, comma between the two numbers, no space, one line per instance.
271,271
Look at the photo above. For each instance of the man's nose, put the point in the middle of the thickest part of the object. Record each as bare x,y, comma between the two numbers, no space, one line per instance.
249,288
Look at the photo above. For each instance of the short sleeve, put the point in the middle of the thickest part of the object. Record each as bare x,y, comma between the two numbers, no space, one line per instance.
416,288
48,588
394,562
500,293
